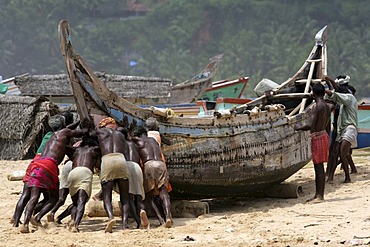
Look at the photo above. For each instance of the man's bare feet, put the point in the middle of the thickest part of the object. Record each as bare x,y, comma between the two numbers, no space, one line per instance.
25,229
144,220
50,217
168,223
315,200
71,223
110,225
12,221
74,229
35,222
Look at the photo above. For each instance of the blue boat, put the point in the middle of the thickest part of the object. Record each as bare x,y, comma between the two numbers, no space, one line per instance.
363,136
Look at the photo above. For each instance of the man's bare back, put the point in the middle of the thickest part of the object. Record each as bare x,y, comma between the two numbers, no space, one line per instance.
86,157
148,148
111,141
56,146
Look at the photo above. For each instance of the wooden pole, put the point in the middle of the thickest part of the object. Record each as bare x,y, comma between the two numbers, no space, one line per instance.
308,83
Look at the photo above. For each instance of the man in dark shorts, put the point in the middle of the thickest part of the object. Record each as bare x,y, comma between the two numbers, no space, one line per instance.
319,127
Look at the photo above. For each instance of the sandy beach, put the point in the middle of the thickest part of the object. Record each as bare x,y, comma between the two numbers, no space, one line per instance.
342,219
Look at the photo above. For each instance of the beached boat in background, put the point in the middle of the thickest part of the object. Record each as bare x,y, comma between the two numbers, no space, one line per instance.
186,92
232,154
363,136
192,90
222,95
226,89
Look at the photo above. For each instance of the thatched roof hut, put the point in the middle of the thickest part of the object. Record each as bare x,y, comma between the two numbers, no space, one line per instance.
23,123
125,86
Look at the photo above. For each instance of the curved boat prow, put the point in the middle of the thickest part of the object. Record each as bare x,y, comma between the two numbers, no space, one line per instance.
297,86
321,36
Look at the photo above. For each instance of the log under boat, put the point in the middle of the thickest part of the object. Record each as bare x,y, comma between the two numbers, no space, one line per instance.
253,147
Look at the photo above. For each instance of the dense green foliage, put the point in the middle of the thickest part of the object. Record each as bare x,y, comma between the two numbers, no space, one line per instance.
260,38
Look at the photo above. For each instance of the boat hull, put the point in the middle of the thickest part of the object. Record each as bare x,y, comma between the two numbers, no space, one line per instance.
238,165
213,156
363,136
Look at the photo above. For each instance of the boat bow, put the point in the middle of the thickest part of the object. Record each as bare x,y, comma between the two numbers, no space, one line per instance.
246,151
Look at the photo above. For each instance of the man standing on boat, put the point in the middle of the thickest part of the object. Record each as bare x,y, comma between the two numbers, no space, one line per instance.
319,127
347,121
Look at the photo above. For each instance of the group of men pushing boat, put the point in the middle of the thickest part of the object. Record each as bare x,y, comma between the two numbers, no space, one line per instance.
128,162
132,164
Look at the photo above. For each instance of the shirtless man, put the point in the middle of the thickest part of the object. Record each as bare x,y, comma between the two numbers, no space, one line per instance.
86,157
136,181
56,123
152,125
44,175
114,168
63,191
319,127
155,174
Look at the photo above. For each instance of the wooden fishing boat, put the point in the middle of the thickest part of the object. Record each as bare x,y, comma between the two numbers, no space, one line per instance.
221,95
192,90
253,147
186,92
226,89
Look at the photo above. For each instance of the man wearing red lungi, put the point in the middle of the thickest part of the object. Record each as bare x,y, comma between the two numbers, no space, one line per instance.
319,127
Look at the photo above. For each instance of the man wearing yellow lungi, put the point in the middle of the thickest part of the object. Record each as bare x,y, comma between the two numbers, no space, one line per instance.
113,166
114,169
80,178
136,181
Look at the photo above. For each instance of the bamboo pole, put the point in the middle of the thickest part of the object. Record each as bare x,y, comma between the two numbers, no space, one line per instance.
308,83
